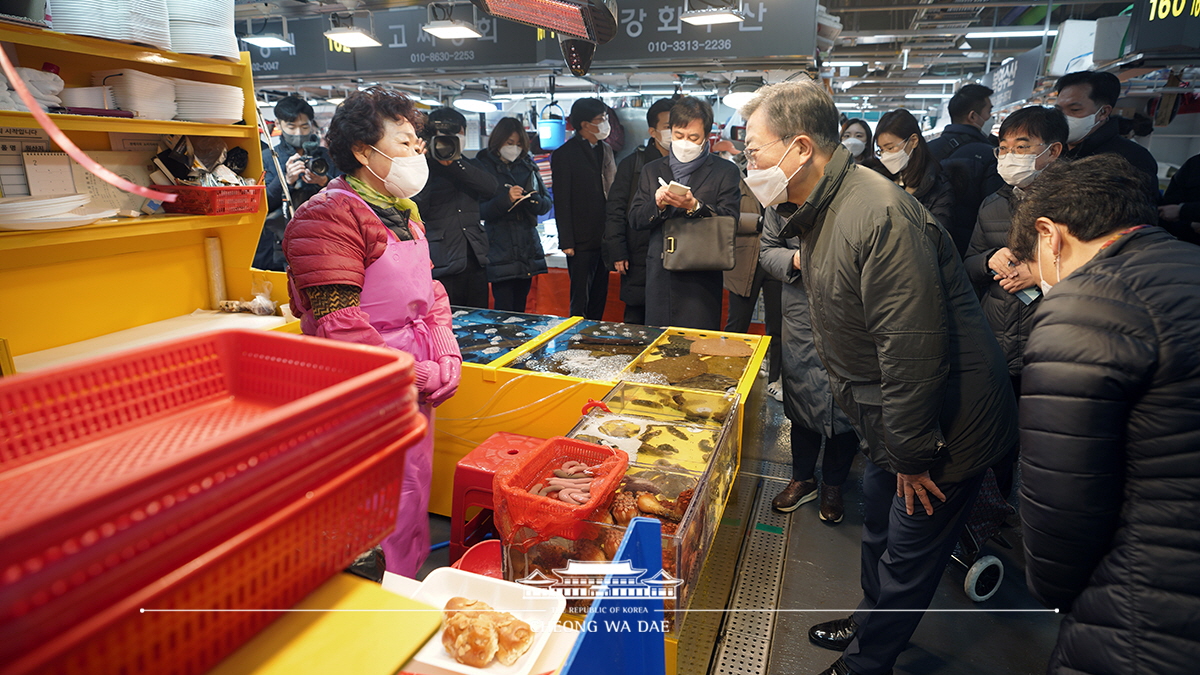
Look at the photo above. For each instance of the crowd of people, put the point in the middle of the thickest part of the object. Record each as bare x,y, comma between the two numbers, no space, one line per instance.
905,328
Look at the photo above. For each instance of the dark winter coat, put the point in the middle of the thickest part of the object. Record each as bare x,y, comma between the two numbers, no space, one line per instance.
582,176
910,358
514,247
269,254
684,299
1108,139
1185,191
968,161
807,396
1110,459
936,195
1010,318
622,241
449,207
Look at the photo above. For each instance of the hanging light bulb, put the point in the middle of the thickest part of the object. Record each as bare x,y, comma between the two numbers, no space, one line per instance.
577,53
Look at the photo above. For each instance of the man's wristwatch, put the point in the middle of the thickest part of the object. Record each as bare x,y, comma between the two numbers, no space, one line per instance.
694,210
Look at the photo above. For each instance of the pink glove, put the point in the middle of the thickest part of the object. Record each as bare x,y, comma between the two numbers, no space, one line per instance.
429,379
450,373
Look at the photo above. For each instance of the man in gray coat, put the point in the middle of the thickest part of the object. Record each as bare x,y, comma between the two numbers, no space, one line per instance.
910,358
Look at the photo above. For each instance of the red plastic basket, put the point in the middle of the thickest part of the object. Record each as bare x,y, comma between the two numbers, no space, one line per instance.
212,201
116,470
272,565
517,508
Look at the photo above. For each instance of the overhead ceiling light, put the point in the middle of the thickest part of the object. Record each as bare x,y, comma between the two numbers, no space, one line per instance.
659,92
442,24
475,98
592,20
268,40
619,94
845,64
741,91
936,80
941,96
352,37
713,15
1012,33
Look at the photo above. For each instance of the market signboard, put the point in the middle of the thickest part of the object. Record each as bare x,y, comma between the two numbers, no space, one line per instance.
407,47
313,53
1165,25
1014,81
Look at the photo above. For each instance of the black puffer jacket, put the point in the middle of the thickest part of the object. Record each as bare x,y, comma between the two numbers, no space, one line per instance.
1010,318
910,358
1110,457
936,194
1107,139
514,247
449,206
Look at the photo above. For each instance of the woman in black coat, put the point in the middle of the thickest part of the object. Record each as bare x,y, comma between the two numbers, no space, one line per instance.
1110,423
685,299
515,253
905,158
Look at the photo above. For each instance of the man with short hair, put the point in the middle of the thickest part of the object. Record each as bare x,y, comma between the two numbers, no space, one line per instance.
583,171
297,126
625,246
910,357
1087,99
965,150
449,206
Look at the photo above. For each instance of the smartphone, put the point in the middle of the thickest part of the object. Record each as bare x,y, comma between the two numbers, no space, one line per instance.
678,188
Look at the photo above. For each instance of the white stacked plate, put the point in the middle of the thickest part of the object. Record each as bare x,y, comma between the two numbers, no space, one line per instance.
207,102
141,21
88,97
84,215
24,208
203,27
148,96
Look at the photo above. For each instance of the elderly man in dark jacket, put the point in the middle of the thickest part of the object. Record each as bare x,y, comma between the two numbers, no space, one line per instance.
909,355
449,206
1110,425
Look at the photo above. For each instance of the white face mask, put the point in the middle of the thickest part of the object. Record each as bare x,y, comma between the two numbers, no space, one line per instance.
1018,170
602,130
664,137
770,185
685,150
987,125
407,176
1046,286
894,161
854,145
510,153
1078,127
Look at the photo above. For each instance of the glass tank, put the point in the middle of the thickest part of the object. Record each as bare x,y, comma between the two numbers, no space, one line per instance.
592,350
485,335
695,360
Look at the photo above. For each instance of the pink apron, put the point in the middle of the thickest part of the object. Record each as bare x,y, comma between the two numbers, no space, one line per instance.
397,295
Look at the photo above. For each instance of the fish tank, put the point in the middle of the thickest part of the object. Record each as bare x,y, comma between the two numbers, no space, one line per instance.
592,350
695,360
485,335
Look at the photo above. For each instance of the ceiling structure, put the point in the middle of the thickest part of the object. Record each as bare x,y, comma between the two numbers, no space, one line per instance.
890,49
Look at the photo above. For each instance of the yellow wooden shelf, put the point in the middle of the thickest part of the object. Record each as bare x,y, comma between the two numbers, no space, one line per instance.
79,44
117,228
24,120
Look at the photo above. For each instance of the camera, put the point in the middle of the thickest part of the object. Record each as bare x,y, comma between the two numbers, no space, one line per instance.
313,163
445,145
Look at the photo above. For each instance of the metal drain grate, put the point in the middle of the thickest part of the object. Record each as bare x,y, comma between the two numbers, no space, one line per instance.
761,468
744,648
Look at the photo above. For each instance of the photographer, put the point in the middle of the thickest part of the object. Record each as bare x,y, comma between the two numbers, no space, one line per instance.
449,206
307,168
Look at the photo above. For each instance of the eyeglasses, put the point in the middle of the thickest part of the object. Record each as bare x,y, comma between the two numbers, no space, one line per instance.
1020,149
752,153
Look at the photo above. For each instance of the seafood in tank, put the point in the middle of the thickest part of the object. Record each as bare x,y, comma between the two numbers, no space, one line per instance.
697,360
593,350
485,335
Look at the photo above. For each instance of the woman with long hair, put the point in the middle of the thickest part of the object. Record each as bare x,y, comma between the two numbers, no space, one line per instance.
907,161
856,136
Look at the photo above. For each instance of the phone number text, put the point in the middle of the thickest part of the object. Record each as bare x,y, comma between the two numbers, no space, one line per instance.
664,46
442,57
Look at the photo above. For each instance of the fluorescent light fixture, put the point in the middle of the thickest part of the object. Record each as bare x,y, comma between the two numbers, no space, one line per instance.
712,17
619,94
452,29
476,99
845,64
268,40
352,37
847,106
937,80
741,91
1011,34
941,96
659,92
431,102
335,101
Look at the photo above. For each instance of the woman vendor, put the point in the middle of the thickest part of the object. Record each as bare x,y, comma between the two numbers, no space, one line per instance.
359,271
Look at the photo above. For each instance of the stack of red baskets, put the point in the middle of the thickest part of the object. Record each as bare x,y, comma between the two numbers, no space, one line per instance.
233,470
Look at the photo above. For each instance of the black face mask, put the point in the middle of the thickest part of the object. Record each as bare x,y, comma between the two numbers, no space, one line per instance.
294,140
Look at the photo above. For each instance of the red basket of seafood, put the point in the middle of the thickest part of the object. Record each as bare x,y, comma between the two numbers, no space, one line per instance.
554,490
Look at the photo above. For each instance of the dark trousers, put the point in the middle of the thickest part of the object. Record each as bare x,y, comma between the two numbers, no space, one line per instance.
510,295
589,284
1005,468
903,558
468,288
635,314
839,455
741,310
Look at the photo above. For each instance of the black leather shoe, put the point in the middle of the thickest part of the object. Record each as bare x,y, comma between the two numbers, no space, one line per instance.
839,667
796,493
835,635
